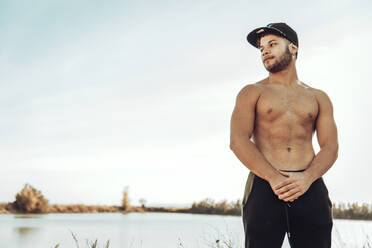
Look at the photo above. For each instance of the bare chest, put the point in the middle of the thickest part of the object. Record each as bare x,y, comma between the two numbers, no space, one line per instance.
298,105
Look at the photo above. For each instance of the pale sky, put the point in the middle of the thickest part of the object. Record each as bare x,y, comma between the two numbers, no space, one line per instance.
99,95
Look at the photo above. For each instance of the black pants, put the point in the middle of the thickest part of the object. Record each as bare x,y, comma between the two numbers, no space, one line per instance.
307,220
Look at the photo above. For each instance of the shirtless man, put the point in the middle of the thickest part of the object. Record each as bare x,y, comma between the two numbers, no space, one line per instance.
272,126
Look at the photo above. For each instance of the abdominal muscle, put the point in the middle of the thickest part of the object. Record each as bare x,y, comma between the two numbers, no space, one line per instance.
294,155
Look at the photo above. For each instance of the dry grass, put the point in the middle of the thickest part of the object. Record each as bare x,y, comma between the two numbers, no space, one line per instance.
353,211
208,206
88,244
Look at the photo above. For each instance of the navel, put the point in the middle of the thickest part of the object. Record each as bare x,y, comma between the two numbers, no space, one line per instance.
270,110
288,149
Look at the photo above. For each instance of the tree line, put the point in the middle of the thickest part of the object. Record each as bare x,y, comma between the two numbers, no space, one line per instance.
31,200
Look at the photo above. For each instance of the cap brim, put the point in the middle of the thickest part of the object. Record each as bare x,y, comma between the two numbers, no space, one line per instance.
253,36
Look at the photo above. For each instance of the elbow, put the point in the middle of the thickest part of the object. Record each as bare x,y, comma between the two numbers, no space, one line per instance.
232,145
336,152
332,150
237,141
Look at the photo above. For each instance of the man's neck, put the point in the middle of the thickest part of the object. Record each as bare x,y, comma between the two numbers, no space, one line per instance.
286,77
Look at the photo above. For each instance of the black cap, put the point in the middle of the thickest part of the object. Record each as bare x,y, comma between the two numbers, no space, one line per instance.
279,28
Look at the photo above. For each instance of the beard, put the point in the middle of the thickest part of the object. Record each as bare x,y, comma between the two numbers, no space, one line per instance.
282,63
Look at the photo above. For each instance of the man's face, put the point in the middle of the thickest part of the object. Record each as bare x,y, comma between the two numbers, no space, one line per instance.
275,53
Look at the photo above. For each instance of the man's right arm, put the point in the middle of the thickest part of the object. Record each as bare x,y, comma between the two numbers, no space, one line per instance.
241,130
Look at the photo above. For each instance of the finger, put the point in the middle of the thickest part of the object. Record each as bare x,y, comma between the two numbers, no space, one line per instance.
284,183
285,188
288,194
293,197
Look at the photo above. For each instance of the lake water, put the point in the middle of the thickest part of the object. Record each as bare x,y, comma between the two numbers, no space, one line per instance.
146,230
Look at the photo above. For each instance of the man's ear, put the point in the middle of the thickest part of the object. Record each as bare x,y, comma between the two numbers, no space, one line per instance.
293,48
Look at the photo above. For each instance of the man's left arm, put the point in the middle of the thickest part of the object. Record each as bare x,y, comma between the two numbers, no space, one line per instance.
326,131
327,138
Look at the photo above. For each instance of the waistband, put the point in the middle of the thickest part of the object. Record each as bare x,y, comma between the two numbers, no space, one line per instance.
292,170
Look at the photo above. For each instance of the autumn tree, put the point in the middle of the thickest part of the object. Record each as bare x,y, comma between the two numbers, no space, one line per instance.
30,200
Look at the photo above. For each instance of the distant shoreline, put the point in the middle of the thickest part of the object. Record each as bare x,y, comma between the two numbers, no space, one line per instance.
341,211
6,208
31,200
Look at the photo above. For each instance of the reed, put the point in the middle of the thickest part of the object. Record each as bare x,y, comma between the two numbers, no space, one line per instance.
89,244
226,239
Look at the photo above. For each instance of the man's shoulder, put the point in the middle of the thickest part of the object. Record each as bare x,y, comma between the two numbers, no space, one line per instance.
252,90
320,95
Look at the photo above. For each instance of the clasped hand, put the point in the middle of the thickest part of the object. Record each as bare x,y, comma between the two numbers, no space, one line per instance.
291,186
